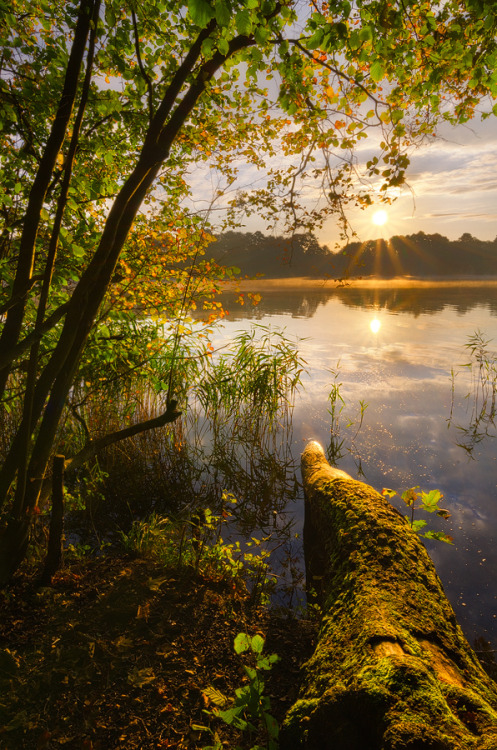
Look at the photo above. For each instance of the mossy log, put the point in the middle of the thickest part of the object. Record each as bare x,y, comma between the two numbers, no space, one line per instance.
392,669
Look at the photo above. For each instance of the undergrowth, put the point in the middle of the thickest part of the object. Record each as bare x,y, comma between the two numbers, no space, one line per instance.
196,542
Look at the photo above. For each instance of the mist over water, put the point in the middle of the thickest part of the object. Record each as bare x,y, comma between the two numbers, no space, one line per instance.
417,430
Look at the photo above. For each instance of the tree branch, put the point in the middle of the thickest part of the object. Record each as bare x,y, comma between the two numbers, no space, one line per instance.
91,448
146,77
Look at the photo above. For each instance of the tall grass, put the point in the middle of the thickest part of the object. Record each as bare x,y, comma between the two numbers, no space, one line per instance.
234,433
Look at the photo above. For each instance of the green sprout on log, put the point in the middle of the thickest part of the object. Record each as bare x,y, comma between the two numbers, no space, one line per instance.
428,502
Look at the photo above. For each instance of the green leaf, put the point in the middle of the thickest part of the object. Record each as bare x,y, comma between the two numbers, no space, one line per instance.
223,13
232,717
250,672
242,643
316,39
243,22
110,17
366,34
377,71
207,47
439,536
77,251
257,644
271,726
223,46
201,12
430,500
268,7
417,525
262,34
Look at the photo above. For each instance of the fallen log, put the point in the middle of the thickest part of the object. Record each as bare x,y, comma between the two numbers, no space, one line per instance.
392,669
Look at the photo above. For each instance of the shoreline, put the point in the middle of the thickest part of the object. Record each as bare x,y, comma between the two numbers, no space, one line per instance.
400,282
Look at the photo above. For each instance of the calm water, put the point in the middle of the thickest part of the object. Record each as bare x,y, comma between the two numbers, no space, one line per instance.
403,373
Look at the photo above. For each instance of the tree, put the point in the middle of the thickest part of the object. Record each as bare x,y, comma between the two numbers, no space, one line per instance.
106,109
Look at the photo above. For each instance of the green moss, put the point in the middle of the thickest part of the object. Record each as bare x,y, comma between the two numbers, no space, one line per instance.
391,663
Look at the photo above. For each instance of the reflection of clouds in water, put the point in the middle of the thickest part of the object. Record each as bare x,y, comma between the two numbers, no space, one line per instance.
403,374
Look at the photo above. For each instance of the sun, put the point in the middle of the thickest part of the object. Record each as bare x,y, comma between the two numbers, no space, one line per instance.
380,218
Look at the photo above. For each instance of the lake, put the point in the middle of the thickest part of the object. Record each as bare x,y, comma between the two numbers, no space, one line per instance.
419,425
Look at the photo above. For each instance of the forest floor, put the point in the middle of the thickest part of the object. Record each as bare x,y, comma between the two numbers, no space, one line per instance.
119,652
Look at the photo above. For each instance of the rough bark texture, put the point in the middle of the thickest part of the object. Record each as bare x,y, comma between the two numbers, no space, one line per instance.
392,669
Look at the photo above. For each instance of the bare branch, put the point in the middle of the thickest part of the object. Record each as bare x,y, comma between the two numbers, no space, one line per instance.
146,77
91,448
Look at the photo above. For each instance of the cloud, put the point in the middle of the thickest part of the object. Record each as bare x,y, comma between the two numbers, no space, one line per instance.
459,215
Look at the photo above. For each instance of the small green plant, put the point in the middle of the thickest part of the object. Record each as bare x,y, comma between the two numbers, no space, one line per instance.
196,542
428,502
250,708
337,446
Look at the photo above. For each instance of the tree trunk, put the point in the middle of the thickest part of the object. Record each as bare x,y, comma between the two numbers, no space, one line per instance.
54,549
392,669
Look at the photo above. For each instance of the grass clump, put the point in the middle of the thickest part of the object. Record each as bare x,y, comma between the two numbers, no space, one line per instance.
196,543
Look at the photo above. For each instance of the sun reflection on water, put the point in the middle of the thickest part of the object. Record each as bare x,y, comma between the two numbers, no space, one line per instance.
375,325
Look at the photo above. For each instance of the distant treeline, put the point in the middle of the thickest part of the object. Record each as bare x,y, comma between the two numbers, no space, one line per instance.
419,255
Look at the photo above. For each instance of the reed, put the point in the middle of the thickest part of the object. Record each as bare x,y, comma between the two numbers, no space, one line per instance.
234,434
481,399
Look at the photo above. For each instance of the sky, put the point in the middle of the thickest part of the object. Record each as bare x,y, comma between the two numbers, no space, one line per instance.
452,190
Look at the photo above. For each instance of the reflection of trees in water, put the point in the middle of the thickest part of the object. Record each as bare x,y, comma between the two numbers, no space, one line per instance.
416,300
189,464
410,300
298,304
234,435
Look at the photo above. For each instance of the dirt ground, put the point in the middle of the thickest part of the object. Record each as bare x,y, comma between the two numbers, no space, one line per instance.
118,654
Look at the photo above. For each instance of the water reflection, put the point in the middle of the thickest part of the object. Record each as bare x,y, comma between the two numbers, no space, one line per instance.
375,325
403,373
481,422
409,300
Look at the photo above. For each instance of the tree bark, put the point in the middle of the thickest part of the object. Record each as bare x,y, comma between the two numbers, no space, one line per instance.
22,283
392,669
54,550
